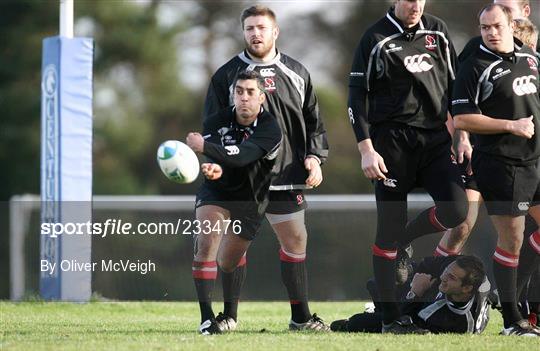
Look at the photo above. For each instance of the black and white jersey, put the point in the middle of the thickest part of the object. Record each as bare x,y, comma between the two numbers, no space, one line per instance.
470,48
246,153
501,86
445,316
291,98
406,75
440,315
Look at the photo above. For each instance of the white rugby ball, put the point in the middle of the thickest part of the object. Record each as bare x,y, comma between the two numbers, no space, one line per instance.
178,162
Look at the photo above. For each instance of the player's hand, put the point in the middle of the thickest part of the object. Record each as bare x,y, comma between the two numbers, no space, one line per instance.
315,172
421,282
212,171
464,150
523,127
195,141
372,163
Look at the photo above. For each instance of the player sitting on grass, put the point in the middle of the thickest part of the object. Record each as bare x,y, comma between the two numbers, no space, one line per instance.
447,295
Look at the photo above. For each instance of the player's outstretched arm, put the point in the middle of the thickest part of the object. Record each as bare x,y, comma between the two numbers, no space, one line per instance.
372,163
481,124
195,141
230,156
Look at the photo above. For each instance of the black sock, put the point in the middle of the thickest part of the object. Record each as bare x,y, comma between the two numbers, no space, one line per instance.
204,277
529,262
384,269
533,296
232,286
294,277
505,272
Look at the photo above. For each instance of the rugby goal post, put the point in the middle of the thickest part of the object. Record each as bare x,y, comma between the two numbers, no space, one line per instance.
66,154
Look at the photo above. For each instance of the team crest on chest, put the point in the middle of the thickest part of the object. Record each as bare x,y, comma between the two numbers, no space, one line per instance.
532,64
269,84
431,42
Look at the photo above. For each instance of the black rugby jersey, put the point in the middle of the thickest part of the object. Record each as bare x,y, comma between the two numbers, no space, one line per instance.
502,87
406,75
472,45
291,98
246,153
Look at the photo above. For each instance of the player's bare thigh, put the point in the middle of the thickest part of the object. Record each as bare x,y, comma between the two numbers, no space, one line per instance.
290,230
207,245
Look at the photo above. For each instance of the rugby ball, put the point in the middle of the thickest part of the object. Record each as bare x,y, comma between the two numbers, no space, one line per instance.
178,162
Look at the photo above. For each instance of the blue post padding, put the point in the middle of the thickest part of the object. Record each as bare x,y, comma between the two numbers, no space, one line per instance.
66,164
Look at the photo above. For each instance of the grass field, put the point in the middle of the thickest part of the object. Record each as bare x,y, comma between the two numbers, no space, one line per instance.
171,326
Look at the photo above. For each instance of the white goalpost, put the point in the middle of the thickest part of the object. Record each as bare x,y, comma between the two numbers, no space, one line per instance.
66,153
66,18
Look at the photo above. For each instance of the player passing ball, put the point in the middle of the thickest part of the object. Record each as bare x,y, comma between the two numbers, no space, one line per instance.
241,143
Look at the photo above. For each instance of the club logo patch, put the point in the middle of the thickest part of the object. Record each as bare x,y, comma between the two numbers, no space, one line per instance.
269,84
532,64
431,42
299,199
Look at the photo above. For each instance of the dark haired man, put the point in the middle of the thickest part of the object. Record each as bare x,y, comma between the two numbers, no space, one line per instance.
241,143
496,97
291,98
446,295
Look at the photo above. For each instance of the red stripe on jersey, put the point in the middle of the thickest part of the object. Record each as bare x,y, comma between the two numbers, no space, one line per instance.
291,258
534,240
505,258
434,221
387,254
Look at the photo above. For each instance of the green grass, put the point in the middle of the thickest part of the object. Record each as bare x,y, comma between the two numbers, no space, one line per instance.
171,326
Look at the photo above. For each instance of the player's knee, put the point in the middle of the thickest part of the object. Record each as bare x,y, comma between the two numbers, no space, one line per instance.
511,242
207,245
453,215
226,264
